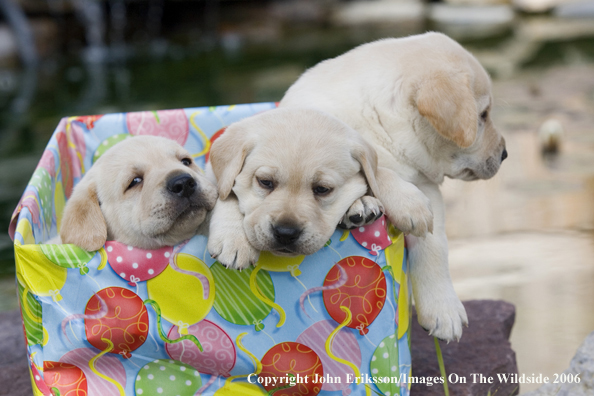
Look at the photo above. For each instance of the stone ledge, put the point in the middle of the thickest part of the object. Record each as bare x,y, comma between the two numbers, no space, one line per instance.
484,348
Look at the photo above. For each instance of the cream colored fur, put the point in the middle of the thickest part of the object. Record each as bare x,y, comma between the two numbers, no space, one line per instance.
104,207
269,168
424,103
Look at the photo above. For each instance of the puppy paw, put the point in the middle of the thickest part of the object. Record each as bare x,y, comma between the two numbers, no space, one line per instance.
233,250
443,318
363,211
411,214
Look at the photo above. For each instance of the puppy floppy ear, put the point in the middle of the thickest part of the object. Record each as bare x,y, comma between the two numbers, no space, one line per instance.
227,156
366,155
447,101
83,223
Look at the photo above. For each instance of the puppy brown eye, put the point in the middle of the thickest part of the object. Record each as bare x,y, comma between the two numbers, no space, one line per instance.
135,181
187,161
321,190
484,115
267,184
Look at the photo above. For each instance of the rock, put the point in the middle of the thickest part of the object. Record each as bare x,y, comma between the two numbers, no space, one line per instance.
484,349
582,364
8,45
540,29
378,12
581,9
471,22
477,2
537,6
550,135
14,368
299,11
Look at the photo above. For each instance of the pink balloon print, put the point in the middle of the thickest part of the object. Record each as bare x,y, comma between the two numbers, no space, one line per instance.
172,124
77,147
219,354
373,237
134,264
39,383
66,163
345,346
110,366
47,162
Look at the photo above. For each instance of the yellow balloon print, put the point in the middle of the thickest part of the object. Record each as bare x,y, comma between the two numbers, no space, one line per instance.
59,203
240,388
394,257
270,262
37,273
180,295
24,228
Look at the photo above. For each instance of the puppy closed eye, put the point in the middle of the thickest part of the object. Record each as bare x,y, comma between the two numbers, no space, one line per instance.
136,181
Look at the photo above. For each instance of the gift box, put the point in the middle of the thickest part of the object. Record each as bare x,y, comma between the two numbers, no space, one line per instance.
173,321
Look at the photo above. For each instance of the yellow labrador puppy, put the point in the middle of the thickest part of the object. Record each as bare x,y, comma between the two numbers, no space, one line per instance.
146,192
424,103
286,178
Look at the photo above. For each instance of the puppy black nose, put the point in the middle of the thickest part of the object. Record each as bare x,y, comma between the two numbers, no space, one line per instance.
182,185
286,234
503,155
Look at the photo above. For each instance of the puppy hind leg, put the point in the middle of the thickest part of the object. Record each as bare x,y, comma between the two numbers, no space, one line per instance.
227,241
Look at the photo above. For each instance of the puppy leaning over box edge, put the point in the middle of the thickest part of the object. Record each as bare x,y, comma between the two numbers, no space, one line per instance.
146,192
424,103
286,178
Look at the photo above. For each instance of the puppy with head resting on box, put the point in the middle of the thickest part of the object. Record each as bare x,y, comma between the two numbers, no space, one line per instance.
146,192
288,177
424,103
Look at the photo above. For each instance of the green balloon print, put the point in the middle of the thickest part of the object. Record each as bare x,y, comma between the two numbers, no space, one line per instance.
109,143
42,181
167,378
68,256
235,301
385,363
31,317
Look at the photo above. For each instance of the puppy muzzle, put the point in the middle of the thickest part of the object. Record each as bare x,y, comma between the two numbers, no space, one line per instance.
182,185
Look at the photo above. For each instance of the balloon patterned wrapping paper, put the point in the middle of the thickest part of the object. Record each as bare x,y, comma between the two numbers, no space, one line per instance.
173,321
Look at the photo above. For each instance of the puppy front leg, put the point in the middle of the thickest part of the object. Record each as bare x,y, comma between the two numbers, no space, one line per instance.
439,309
227,241
406,206
363,211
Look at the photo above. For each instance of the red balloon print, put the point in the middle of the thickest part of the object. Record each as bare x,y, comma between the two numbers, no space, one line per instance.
212,140
67,378
363,292
373,237
135,264
89,121
297,359
125,324
171,124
